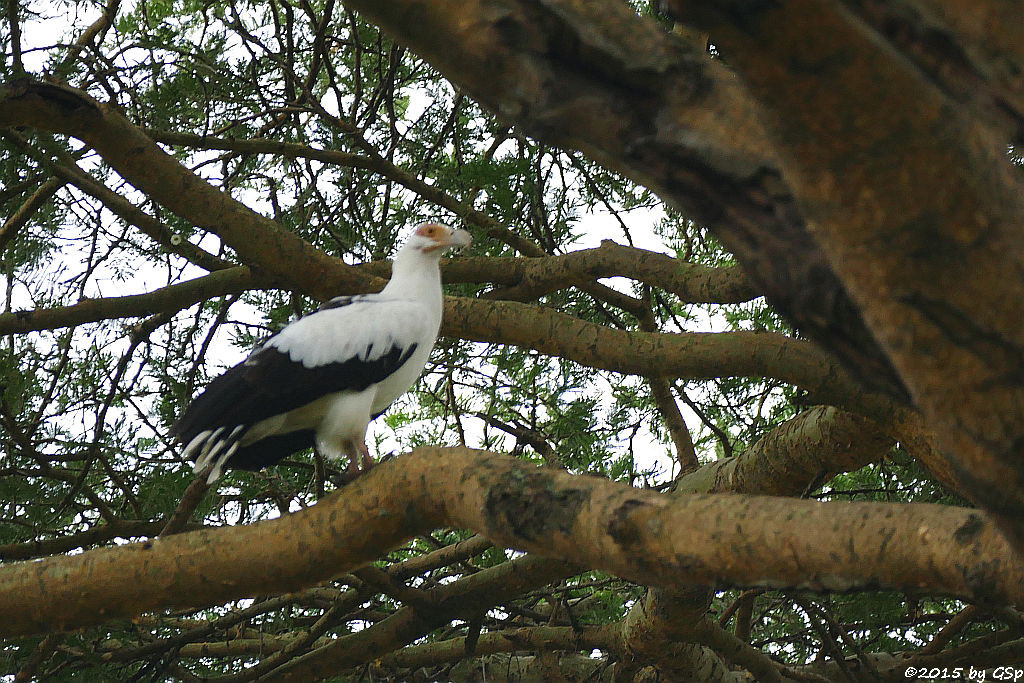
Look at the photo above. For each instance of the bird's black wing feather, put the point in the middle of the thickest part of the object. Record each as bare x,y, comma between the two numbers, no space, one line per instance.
267,451
270,383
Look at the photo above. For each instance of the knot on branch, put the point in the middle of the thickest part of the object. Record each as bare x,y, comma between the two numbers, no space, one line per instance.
526,502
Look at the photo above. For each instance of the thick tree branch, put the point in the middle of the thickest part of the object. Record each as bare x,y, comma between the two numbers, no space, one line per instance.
987,30
640,535
906,197
691,355
806,450
598,78
692,283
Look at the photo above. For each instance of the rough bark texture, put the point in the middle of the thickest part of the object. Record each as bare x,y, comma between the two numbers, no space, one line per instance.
720,540
595,77
919,211
808,449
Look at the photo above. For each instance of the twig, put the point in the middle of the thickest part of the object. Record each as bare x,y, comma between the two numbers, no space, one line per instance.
189,502
27,672
12,16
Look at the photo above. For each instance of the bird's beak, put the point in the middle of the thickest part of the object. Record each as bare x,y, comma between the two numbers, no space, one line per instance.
456,239
460,239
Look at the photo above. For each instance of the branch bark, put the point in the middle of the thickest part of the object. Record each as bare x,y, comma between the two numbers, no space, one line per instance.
920,214
691,355
171,298
640,535
969,50
258,240
811,447
598,78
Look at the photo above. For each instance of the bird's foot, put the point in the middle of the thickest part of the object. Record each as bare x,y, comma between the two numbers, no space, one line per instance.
361,462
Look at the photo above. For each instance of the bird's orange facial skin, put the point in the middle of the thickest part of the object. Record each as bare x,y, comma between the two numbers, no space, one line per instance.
438,233
432,230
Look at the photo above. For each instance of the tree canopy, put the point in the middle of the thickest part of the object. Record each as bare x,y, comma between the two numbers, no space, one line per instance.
730,384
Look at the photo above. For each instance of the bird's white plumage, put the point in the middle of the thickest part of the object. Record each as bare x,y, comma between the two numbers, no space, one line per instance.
327,374
365,329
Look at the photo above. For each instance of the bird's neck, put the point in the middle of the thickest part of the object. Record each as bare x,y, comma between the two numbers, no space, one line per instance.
414,276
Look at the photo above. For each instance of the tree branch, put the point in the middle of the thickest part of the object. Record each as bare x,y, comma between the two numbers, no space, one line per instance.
640,535
692,283
598,78
258,240
936,202
14,24
469,595
13,225
171,298
525,279
799,453
690,355
545,638
64,167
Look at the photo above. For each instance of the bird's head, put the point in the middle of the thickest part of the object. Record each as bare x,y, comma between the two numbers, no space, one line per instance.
435,238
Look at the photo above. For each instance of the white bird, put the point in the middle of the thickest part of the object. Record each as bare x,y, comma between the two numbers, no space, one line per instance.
323,378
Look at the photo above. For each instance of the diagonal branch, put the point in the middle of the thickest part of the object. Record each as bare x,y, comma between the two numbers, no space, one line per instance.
469,595
64,167
801,453
598,78
919,212
13,225
258,240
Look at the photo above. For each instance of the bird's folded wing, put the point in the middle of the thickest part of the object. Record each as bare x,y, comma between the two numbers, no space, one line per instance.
346,348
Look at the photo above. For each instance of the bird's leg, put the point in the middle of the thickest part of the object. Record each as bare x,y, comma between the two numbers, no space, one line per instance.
360,462
364,456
